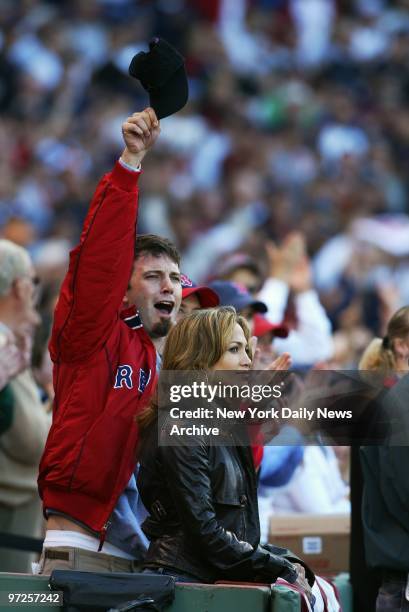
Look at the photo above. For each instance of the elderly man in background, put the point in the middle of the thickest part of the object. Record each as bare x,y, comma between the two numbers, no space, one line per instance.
24,422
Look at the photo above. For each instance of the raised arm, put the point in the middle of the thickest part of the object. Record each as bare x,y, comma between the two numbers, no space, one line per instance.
100,266
290,271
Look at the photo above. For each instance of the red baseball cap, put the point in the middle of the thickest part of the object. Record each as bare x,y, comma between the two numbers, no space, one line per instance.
206,296
262,326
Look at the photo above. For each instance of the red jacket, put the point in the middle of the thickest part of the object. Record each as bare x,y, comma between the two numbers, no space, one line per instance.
104,371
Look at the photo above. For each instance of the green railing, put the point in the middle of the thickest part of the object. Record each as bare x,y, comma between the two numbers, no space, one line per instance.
189,598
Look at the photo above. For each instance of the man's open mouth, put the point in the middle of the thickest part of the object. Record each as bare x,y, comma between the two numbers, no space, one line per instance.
165,307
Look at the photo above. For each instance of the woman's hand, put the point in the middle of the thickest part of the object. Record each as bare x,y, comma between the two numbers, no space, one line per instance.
303,583
281,363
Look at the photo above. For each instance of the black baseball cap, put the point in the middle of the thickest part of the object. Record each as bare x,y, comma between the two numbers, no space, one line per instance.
162,74
233,294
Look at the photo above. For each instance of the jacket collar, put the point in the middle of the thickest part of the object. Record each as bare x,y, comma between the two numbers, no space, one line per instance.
131,317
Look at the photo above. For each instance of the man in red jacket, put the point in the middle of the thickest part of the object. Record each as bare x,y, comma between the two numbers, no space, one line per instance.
104,371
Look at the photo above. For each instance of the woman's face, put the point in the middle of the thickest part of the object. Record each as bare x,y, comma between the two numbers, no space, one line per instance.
235,357
401,350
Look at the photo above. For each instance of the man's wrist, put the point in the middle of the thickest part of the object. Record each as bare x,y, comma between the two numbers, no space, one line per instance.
133,160
129,167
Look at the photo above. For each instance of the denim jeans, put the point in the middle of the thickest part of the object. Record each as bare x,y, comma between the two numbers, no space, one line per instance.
391,596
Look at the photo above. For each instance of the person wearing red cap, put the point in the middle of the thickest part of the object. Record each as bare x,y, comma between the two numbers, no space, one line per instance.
265,332
195,297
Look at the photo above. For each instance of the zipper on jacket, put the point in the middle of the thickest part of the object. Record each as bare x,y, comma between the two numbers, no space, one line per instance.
103,535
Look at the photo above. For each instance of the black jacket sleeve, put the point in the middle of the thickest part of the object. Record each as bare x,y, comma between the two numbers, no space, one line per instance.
189,478
290,556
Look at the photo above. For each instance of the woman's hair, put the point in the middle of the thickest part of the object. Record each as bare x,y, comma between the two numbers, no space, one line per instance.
380,354
197,342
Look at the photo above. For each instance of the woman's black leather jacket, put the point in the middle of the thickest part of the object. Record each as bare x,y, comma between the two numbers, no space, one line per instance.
202,501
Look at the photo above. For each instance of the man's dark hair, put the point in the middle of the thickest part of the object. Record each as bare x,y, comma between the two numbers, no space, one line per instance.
156,245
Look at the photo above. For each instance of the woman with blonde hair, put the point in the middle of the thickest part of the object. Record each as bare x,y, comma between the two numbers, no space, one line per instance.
390,355
202,499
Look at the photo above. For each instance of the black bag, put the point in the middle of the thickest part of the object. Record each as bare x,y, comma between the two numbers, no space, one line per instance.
116,592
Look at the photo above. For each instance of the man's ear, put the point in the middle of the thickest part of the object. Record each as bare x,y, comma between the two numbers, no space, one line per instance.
17,290
125,301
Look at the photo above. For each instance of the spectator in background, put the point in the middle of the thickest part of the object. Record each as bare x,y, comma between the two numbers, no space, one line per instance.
294,478
385,505
231,294
278,462
290,274
389,358
315,487
277,468
195,297
390,355
309,339
241,269
25,420
313,20
266,333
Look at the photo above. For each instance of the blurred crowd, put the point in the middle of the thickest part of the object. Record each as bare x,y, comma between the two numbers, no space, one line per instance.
287,172
297,120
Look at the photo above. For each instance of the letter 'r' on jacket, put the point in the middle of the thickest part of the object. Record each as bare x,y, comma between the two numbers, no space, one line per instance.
90,452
